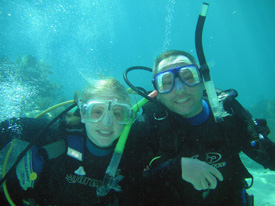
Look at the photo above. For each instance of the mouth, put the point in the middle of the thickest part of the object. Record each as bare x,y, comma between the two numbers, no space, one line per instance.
182,101
105,133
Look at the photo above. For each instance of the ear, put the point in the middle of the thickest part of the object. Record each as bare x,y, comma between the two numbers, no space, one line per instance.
82,117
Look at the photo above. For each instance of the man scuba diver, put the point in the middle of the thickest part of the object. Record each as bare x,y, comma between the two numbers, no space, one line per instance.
184,134
195,134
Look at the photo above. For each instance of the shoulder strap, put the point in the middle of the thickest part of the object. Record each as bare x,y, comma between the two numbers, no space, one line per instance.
55,149
75,147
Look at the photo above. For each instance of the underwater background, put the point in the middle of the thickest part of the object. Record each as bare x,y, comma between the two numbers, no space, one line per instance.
49,48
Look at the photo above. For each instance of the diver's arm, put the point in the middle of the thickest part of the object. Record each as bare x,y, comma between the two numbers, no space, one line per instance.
257,145
145,185
26,129
253,136
196,172
269,147
263,152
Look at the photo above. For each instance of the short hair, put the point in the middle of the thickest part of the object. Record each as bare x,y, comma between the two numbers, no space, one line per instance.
98,87
172,54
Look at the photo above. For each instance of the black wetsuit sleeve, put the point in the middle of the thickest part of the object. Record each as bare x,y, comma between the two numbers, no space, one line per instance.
26,129
263,152
169,168
146,186
254,140
140,182
21,128
270,149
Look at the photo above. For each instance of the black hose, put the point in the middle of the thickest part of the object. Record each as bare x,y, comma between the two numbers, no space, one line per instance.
199,48
139,90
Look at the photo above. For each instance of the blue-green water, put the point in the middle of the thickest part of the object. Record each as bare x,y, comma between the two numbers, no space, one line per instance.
103,38
106,37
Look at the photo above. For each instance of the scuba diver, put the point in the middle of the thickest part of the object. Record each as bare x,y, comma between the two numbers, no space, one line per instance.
194,134
196,159
68,171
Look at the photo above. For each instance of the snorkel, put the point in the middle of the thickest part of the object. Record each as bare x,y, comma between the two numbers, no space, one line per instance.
216,106
110,180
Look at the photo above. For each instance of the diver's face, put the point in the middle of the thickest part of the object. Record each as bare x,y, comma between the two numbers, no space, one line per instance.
104,132
183,100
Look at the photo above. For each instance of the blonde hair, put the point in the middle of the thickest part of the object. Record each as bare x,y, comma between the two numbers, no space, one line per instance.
98,87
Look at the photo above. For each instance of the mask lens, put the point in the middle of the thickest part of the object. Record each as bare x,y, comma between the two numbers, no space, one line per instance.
189,75
164,82
95,111
122,113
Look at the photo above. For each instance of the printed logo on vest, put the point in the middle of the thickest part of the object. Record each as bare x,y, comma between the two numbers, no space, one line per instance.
213,159
83,180
24,170
80,171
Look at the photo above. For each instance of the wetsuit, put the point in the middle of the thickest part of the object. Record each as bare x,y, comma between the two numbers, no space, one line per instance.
218,144
69,179
76,181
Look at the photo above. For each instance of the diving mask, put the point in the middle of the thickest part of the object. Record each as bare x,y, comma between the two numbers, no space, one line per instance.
164,82
94,111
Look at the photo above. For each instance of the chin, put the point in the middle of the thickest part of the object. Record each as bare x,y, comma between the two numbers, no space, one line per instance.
106,145
183,113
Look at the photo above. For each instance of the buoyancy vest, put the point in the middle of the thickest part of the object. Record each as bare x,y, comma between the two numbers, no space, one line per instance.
78,173
219,144
75,147
165,126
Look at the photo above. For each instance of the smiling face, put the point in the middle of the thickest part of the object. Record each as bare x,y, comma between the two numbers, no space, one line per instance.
104,132
183,100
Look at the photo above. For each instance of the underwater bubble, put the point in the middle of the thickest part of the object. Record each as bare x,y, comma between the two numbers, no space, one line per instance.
15,94
168,23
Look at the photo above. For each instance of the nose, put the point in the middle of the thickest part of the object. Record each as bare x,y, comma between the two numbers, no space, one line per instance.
107,119
179,86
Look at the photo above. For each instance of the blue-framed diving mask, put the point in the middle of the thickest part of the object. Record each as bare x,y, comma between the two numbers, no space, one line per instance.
164,82
94,111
